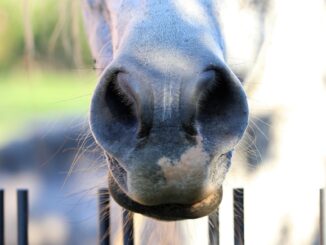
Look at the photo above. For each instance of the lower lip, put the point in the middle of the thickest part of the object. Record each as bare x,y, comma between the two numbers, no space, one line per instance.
168,212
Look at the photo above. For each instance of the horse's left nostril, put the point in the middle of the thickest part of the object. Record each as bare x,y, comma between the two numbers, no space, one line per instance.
189,98
222,100
214,106
222,109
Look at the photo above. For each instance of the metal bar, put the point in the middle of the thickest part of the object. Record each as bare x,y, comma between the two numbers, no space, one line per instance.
2,218
322,216
22,212
238,216
104,216
214,228
128,227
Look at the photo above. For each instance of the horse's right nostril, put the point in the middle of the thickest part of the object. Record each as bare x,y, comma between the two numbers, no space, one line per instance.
190,127
121,102
135,103
120,112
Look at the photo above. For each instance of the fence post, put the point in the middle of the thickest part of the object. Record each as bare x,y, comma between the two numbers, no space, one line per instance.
104,216
22,212
214,228
238,216
2,218
128,227
322,216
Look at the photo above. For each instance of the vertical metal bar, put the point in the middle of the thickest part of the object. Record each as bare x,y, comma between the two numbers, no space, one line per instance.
238,216
322,216
104,216
128,227
22,212
2,218
214,228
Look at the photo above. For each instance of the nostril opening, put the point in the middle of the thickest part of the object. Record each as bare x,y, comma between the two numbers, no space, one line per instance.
217,100
189,128
144,130
120,104
120,112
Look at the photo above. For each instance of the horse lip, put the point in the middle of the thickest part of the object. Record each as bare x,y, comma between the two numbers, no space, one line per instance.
117,172
168,212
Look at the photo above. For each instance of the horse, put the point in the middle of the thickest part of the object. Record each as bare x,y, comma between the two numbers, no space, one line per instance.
169,107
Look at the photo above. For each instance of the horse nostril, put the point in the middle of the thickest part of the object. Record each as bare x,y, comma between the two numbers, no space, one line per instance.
114,114
144,130
121,114
217,99
141,103
214,106
120,103
222,106
190,128
189,100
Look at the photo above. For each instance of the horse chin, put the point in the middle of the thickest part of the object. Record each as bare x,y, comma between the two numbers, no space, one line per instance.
167,212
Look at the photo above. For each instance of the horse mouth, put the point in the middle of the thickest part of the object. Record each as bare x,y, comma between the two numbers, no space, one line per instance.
168,212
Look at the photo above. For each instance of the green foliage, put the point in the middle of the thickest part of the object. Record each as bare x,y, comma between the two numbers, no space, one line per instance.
25,97
51,21
11,34
57,36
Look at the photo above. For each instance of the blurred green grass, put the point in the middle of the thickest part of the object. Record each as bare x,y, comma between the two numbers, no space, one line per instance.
51,81
58,35
29,97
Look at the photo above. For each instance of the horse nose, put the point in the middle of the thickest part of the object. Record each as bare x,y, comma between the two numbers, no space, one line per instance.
121,110
214,105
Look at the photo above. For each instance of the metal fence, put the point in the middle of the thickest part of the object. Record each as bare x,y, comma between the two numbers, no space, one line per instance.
128,229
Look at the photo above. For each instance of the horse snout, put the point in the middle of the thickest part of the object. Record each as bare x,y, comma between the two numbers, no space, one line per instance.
168,139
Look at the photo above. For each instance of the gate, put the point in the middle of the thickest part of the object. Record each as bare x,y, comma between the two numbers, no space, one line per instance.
128,229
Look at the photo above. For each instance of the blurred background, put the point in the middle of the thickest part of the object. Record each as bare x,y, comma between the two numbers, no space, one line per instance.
45,64
46,80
